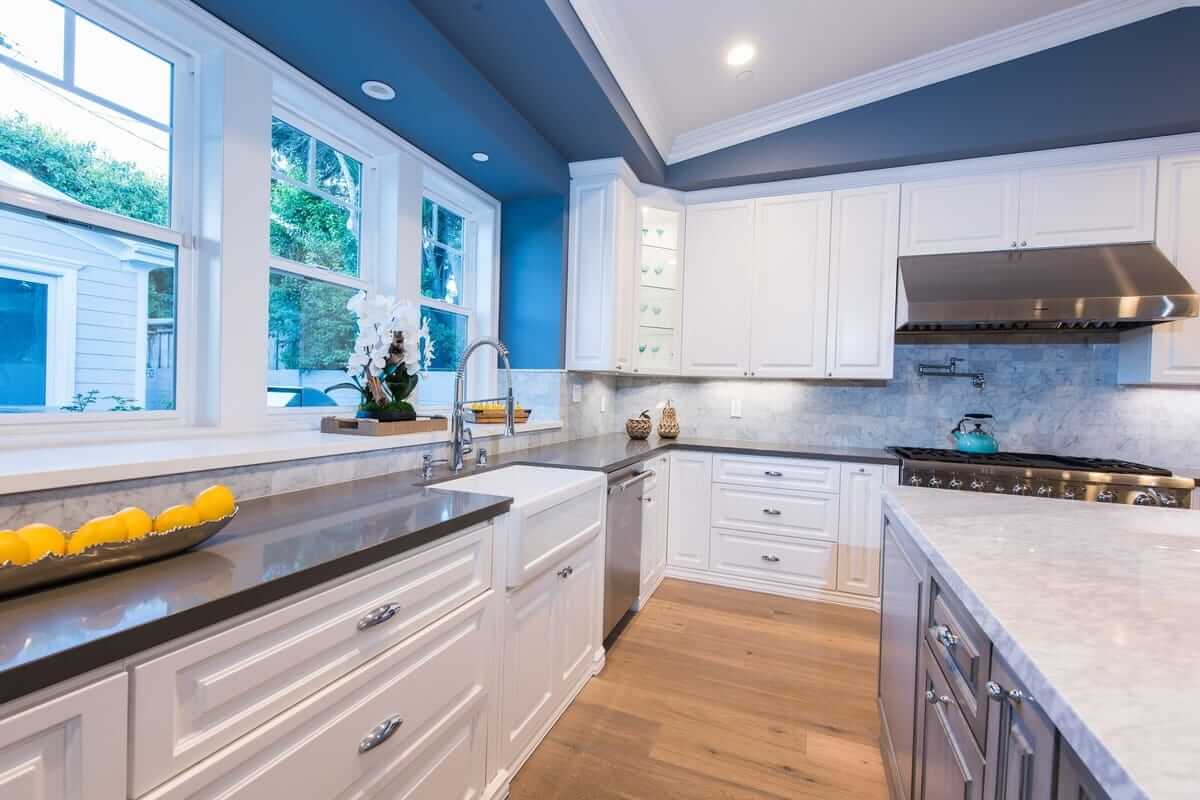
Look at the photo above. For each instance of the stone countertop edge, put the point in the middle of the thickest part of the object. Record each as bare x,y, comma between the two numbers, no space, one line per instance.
26,678
1111,775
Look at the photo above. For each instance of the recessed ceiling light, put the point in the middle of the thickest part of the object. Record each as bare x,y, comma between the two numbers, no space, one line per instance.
480,157
378,90
739,54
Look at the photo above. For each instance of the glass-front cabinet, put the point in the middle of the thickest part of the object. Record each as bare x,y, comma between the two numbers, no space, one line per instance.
659,289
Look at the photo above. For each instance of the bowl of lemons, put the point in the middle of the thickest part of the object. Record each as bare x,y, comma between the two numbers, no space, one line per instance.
39,555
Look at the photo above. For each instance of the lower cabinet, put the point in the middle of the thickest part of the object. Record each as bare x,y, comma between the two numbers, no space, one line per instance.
949,764
860,523
1020,738
654,527
1074,782
551,629
899,648
68,748
688,529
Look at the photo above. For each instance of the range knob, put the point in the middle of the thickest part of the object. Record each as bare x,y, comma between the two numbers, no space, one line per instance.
955,483
1169,500
977,485
1045,490
1069,493
1020,488
1106,496
1143,499
998,489
915,480
935,482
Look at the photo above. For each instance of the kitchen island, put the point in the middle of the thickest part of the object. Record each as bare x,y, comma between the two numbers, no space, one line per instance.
1091,608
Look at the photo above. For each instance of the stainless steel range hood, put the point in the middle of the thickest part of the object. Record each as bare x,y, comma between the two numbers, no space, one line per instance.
1110,287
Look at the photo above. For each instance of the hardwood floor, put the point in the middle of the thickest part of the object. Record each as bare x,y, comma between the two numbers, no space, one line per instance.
720,693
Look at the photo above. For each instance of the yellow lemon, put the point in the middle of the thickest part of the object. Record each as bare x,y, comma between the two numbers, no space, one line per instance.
176,517
101,530
42,539
214,502
13,548
137,522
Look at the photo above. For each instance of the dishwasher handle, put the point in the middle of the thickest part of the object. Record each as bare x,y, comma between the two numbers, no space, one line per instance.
623,485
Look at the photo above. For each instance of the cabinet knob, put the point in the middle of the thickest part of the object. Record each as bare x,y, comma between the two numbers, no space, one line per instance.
1014,244
1024,244
772,512
997,693
933,698
771,559
771,473
566,572
948,638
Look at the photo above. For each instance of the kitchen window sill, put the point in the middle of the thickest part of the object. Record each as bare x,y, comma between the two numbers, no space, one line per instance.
29,468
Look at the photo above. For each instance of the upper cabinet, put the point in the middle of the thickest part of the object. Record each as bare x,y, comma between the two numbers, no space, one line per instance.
977,213
1170,353
600,272
862,283
1078,204
716,302
789,307
659,288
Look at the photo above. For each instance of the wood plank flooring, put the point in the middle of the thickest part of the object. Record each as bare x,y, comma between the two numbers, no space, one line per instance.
723,694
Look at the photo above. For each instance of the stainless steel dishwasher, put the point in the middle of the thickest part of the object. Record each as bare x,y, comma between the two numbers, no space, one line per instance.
623,544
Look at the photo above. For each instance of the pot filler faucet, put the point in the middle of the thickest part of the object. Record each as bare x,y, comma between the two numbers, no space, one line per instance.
460,435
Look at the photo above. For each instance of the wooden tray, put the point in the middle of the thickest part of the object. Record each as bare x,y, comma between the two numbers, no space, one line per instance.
373,427
497,417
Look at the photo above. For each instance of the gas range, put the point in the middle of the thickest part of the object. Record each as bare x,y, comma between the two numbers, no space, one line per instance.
1096,479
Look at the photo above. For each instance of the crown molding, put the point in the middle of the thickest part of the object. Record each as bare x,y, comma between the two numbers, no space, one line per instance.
617,50
1020,40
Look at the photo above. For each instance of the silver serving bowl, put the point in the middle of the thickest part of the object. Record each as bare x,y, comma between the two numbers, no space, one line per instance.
100,558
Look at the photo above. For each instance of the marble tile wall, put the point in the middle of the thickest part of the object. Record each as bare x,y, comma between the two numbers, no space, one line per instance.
1057,396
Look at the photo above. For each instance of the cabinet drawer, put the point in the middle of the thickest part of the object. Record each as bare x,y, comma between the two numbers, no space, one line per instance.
779,473
796,561
811,515
189,703
435,686
951,764
963,651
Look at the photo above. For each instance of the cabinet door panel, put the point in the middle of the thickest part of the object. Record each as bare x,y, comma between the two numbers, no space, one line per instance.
1177,345
1088,204
1020,739
1074,782
791,286
530,682
716,288
899,640
589,334
860,525
862,283
68,748
688,529
959,215
578,616
951,767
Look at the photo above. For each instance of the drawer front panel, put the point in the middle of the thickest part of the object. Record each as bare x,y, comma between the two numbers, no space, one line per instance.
963,651
778,473
810,515
433,690
951,765
189,703
795,561
549,535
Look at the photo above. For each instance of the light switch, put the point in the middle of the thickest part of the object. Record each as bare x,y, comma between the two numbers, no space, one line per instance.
603,403
735,408
576,393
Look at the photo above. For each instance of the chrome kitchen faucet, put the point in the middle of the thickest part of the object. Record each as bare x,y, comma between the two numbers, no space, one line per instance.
460,436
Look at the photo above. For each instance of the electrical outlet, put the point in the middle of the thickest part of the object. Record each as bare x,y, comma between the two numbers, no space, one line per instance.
735,408
576,393
603,403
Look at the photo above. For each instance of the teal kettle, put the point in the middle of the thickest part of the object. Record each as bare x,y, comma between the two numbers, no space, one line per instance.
977,439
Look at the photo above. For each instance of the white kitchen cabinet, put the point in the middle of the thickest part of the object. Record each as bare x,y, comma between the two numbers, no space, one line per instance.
601,282
790,303
1170,353
654,527
717,289
68,748
688,527
862,283
798,562
657,342
860,528
975,213
579,614
1082,204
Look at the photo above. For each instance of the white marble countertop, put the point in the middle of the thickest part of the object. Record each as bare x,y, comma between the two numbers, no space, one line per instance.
1097,609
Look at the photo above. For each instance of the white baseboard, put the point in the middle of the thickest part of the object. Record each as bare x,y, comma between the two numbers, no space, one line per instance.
648,593
768,587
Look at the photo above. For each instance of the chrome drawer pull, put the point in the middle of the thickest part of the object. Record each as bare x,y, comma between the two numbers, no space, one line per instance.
377,616
773,474
996,693
933,699
772,512
566,572
382,732
947,637
771,559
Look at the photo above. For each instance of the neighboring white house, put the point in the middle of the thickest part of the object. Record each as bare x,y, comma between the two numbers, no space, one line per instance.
83,323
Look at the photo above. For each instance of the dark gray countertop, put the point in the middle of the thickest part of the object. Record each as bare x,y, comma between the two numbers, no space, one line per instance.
275,547
615,451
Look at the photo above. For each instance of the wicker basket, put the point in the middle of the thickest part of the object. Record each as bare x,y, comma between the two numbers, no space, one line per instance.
639,427
668,423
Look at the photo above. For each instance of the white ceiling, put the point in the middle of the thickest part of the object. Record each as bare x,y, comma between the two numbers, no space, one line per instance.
815,57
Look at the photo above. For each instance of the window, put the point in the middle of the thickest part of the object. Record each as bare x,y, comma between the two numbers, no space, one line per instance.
316,223
89,318
87,114
445,292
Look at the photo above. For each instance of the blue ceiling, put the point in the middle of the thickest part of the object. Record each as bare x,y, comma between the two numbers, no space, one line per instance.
443,104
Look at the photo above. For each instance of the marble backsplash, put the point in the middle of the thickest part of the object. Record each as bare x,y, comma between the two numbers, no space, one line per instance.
1052,396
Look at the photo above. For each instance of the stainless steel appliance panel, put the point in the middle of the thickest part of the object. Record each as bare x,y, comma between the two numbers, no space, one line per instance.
623,545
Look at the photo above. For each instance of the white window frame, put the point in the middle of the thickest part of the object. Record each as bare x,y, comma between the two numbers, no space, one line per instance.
178,235
368,267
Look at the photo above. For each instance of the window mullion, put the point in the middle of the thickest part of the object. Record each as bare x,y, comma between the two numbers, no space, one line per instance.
69,47
311,166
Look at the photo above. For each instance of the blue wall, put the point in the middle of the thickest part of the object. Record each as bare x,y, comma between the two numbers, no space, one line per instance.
1133,82
533,280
